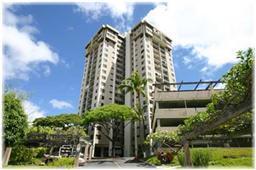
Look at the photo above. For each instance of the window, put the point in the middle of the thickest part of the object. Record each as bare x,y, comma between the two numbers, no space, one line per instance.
102,97
99,128
104,77
110,98
104,65
98,137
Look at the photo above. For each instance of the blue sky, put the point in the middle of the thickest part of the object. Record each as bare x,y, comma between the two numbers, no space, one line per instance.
44,46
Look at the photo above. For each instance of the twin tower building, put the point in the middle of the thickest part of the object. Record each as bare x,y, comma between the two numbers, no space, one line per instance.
112,57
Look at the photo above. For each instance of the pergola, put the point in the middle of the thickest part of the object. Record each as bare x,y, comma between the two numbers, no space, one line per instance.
228,113
210,84
57,140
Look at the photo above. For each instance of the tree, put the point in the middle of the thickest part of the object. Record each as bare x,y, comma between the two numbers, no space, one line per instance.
14,122
109,117
136,85
62,120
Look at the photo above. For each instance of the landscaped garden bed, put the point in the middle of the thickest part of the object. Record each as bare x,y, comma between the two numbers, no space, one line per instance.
218,157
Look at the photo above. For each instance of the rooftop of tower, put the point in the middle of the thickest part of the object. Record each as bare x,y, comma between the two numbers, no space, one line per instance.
122,35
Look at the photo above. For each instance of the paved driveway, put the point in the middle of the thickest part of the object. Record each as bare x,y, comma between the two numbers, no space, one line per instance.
124,162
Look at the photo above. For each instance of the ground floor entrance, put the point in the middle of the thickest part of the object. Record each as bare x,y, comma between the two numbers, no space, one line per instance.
102,151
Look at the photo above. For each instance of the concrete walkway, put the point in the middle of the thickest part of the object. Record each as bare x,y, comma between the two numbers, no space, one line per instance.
123,162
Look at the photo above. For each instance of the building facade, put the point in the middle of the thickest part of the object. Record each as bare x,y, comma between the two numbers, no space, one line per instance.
110,58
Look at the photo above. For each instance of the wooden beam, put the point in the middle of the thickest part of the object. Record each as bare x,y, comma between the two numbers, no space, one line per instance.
208,86
7,155
188,83
228,113
197,84
180,85
187,156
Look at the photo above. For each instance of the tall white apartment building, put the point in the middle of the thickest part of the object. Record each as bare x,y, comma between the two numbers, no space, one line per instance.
112,57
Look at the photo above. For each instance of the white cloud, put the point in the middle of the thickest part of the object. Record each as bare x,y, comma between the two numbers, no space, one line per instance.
215,29
60,104
120,11
32,110
22,52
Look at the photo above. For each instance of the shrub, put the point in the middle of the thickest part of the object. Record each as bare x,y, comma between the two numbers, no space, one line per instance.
181,158
37,162
39,152
153,161
200,158
21,155
63,162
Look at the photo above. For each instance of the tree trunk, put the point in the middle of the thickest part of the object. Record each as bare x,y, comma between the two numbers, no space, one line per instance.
7,155
78,149
141,112
187,156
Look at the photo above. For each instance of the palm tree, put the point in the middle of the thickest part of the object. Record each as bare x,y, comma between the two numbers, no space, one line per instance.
136,84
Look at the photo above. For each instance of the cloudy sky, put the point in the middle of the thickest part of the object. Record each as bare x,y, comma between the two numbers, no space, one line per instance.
44,43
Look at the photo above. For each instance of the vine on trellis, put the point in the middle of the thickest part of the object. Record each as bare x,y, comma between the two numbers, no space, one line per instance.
238,89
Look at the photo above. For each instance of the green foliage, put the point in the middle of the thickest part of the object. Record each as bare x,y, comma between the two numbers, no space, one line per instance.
153,160
62,120
48,131
39,152
136,85
63,162
238,88
37,162
14,120
108,113
21,155
181,158
163,137
200,158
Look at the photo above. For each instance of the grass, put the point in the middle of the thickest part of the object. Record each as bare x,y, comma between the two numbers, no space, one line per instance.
236,157
225,157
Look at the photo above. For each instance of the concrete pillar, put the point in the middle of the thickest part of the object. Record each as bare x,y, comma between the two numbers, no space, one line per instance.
158,123
86,152
127,139
102,152
90,152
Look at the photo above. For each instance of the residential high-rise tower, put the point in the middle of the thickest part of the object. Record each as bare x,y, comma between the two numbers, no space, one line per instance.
112,57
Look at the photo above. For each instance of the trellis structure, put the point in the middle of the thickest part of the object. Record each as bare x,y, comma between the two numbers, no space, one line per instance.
57,140
228,113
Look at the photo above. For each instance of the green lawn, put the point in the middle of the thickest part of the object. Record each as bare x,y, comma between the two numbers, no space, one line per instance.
231,157
226,157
